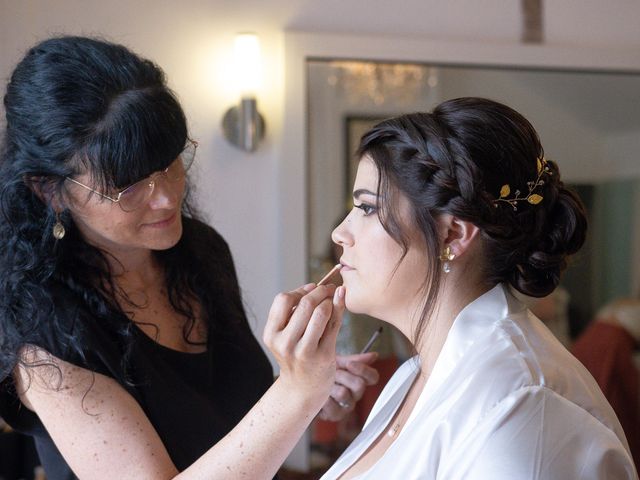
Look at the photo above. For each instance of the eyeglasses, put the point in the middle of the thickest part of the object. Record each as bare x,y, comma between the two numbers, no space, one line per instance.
137,194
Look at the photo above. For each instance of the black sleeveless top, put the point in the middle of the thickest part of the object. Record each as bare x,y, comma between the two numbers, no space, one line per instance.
192,399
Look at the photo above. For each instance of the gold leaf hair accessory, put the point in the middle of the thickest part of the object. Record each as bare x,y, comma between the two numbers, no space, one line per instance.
532,198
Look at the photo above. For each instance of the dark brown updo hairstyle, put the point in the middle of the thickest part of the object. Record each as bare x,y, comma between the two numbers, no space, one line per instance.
455,160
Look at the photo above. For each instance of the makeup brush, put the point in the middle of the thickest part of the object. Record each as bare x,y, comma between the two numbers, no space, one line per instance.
372,340
326,278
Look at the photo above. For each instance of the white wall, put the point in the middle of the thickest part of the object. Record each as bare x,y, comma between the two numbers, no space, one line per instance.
191,40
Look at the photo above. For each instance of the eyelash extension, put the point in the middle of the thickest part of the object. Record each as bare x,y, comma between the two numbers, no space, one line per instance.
366,209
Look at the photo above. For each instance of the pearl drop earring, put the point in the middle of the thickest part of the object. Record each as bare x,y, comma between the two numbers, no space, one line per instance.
58,228
446,256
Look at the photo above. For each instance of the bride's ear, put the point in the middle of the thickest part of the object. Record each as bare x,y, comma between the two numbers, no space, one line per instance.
457,234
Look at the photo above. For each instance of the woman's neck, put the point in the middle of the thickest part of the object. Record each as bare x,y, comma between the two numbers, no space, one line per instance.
134,270
457,290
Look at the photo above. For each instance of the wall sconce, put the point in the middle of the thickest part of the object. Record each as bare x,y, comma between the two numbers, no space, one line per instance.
242,125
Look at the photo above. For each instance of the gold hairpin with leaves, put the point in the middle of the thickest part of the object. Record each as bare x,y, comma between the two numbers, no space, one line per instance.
532,198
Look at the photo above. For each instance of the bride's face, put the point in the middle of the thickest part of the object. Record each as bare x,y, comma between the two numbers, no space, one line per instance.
378,281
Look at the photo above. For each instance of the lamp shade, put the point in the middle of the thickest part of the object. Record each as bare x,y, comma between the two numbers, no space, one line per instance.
248,63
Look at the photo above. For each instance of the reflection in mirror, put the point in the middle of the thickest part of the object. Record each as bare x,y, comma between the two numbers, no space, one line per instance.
589,122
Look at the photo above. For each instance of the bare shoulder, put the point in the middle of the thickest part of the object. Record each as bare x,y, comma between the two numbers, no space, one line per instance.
99,428
39,372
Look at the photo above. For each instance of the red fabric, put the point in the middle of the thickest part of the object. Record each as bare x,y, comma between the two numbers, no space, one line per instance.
606,350
325,432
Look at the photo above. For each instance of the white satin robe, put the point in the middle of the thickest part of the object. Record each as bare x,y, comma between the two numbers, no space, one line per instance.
505,401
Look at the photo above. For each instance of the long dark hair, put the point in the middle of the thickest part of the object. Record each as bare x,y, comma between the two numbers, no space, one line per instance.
79,104
455,160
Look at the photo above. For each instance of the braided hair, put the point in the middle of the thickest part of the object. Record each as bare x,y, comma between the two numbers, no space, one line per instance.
456,160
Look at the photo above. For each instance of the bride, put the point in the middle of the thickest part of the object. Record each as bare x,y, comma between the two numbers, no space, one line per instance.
453,210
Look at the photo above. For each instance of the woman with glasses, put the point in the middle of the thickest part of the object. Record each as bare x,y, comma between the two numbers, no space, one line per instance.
124,348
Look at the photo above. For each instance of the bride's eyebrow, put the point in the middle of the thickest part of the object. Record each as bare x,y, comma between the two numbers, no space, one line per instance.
363,191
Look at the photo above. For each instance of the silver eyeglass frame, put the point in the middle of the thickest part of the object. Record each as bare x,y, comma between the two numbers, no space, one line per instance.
150,178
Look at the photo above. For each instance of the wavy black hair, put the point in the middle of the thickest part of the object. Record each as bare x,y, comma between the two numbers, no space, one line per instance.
76,104
455,160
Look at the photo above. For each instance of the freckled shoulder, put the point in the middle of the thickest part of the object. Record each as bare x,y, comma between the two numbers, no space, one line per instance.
86,414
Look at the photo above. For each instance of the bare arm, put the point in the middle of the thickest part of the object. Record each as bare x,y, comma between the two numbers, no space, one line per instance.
103,433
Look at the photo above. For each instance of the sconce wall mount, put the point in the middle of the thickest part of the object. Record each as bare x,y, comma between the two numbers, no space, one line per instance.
243,126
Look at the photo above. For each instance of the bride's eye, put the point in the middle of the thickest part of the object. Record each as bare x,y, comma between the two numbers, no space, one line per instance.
366,209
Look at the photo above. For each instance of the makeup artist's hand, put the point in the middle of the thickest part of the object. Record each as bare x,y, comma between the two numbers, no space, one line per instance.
301,333
353,375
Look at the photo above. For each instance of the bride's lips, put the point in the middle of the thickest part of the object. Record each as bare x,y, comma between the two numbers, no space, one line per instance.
162,223
345,267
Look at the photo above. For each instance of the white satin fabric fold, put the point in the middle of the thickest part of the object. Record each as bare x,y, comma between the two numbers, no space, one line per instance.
505,401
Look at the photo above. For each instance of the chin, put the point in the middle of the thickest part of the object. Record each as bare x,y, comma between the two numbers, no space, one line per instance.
166,240
164,245
355,304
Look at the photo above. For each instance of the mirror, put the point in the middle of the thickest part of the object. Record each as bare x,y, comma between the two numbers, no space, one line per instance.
588,121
